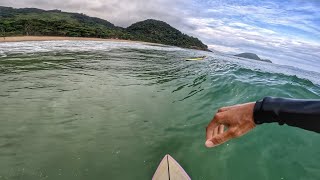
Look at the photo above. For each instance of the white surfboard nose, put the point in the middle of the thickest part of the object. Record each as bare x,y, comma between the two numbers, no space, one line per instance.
170,169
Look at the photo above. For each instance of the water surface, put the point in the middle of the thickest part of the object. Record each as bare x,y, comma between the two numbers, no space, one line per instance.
112,110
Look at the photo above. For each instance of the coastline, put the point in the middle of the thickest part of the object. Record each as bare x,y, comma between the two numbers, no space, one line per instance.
63,38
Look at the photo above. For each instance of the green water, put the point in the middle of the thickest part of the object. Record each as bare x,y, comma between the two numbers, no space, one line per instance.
91,110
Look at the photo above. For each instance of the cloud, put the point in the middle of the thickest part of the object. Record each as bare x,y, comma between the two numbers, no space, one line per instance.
226,49
298,16
267,44
285,33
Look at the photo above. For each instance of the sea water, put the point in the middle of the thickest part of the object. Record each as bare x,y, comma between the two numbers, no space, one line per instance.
112,110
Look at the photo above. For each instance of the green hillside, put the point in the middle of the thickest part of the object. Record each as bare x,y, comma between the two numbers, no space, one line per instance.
30,21
160,32
37,22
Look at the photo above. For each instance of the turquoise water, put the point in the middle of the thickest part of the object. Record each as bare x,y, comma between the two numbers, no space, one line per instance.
107,110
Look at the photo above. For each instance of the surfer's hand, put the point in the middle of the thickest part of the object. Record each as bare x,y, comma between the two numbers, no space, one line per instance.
238,119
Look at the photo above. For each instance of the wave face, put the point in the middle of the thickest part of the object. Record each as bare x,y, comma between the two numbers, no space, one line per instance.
112,110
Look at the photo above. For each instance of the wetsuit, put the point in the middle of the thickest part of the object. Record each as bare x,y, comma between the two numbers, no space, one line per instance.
293,112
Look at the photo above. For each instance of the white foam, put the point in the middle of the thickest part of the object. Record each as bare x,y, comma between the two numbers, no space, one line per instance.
47,46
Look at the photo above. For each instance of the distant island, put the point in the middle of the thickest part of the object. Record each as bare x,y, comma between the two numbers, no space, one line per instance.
38,22
252,56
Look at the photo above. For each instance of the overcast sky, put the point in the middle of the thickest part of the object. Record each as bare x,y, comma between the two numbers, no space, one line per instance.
286,32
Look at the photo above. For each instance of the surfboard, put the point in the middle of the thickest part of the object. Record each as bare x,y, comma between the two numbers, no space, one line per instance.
169,169
196,59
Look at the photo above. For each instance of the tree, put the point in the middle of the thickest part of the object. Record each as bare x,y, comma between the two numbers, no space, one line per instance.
3,32
27,27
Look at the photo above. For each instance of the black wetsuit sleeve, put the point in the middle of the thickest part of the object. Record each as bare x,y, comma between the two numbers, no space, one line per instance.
293,112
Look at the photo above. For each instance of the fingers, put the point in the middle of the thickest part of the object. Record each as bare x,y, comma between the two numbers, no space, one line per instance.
221,129
216,121
216,131
221,138
210,129
231,133
238,119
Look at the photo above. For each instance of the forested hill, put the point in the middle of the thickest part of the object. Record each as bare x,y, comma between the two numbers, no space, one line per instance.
160,32
37,22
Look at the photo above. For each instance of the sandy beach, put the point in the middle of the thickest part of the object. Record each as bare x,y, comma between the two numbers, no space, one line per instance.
60,38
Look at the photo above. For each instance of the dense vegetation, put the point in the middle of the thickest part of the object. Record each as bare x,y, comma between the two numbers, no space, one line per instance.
30,21
252,56
37,22
160,32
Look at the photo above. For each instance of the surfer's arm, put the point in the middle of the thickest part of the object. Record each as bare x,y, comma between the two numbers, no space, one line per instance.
293,112
242,118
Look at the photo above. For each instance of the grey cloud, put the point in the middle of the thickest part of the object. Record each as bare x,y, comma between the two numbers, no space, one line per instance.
280,49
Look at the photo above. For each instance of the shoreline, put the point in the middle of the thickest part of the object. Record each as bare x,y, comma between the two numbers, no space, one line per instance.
63,38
